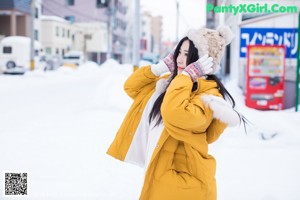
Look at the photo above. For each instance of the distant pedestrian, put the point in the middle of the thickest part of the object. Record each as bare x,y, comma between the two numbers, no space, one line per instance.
175,116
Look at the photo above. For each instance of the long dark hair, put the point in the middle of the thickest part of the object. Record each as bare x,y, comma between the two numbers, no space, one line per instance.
191,57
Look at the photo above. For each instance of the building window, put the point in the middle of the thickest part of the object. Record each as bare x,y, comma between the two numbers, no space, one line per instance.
63,32
70,2
36,34
57,51
48,50
36,13
57,31
36,52
115,23
68,33
143,44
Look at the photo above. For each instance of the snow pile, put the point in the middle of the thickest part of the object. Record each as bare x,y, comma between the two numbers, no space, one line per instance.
109,93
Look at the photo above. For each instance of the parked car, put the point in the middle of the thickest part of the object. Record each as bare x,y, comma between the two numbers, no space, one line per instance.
150,57
52,62
73,58
15,54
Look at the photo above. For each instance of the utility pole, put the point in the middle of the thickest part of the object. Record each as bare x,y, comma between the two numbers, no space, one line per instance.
177,19
110,13
108,55
86,37
32,16
136,35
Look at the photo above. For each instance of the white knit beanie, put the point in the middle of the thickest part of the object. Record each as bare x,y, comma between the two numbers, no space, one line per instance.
211,42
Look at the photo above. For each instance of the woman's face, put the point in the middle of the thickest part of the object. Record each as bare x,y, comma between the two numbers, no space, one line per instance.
182,56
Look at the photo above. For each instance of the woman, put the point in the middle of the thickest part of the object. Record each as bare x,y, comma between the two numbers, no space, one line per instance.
175,116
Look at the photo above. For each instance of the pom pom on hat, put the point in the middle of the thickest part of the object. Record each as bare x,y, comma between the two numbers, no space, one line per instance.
211,42
226,33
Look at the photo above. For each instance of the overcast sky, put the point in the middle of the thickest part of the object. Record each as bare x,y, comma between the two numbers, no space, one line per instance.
192,15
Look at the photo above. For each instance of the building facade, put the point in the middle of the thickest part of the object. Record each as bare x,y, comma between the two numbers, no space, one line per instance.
146,33
15,18
60,36
92,39
156,30
76,10
263,28
57,35
110,12
151,46
117,31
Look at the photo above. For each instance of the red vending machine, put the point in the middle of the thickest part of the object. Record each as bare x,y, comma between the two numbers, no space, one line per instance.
265,77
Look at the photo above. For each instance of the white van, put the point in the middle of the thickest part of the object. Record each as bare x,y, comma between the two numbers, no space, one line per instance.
75,58
15,54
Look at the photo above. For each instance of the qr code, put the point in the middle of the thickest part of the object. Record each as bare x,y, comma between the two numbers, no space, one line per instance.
15,183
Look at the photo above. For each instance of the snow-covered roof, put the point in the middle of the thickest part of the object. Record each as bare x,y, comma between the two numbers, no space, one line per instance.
53,18
78,53
17,40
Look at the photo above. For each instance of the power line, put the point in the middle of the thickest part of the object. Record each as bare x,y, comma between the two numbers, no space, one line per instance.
87,28
184,20
59,5
49,10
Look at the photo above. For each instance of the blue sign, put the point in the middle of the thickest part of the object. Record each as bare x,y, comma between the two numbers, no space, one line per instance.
270,36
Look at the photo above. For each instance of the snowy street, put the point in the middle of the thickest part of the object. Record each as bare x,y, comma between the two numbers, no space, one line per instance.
57,126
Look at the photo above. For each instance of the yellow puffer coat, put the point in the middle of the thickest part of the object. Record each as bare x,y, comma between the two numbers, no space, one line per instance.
180,167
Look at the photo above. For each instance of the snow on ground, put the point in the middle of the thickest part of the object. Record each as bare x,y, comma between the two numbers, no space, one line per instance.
58,125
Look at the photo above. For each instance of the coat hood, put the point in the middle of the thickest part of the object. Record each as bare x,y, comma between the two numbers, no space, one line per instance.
222,109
